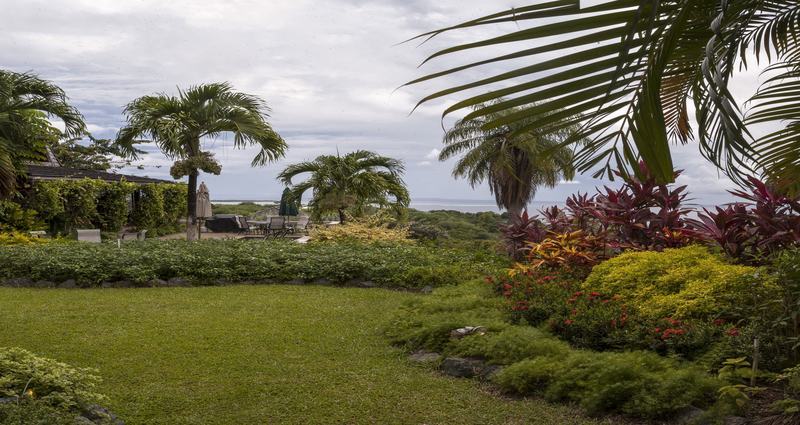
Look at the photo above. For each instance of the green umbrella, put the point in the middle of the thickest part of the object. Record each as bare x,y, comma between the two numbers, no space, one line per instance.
288,206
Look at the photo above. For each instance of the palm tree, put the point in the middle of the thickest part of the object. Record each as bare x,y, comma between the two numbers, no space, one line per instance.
354,180
632,70
25,102
514,163
178,124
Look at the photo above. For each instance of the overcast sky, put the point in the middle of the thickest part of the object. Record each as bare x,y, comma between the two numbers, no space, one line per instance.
327,68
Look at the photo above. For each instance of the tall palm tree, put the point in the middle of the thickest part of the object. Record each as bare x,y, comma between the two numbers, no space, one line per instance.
25,102
632,70
354,180
513,163
178,125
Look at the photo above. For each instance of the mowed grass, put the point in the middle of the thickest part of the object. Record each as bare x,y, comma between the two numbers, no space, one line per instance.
252,355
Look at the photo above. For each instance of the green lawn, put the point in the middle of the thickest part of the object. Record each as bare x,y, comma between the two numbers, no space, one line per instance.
251,354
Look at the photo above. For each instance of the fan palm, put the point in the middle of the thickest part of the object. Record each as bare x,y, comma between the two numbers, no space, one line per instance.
354,180
628,70
513,163
25,102
178,124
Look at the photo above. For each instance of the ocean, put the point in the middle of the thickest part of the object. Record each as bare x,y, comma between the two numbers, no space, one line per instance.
428,204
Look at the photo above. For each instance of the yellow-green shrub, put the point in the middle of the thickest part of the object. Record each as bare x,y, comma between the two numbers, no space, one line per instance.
688,282
366,230
19,238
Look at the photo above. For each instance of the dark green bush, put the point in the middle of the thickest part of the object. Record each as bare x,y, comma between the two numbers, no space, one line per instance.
637,383
210,261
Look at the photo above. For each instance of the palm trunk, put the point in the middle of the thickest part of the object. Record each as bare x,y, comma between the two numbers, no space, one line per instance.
191,222
514,212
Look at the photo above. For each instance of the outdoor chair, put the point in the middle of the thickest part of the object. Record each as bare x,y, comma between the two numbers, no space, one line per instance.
89,235
277,227
300,226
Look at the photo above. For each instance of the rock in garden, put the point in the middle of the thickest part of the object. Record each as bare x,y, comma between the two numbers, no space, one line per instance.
178,281
735,420
423,356
688,416
4,400
427,289
323,282
43,284
18,282
296,282
99,414
366,284
467,330
155,283
117,284
462,367
68,284
489,371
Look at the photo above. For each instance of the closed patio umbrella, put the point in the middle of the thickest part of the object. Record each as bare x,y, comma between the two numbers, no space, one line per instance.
203,204
288,206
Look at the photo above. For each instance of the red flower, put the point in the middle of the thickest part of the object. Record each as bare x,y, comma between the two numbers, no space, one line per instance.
578,294
732,332
604,301
489,279
719,322
595,294
546,278
568,322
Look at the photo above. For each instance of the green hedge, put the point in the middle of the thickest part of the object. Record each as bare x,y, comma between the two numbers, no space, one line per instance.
64,205
212,261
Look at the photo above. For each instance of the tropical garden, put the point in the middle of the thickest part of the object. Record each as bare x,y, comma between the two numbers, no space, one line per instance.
625,305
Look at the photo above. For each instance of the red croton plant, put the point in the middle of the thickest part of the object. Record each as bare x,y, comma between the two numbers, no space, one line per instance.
764,223
640,215
645,215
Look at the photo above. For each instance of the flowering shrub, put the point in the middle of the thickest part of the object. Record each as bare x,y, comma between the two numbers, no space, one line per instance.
593,320
534,296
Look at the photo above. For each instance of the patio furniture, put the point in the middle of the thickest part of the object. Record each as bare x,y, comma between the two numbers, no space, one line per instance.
139,236
88,235
277,227
226,223
300,226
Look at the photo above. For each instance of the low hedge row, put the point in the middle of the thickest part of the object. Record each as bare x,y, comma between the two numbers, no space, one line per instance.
215,261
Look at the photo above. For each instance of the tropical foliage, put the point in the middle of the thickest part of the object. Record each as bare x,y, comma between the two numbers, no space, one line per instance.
349,183
513,161
25,102
633,72
764,221
178,125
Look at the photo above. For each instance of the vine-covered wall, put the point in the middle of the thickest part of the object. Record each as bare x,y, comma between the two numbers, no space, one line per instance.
61,206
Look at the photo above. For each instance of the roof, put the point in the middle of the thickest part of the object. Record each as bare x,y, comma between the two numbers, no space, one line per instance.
44,172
